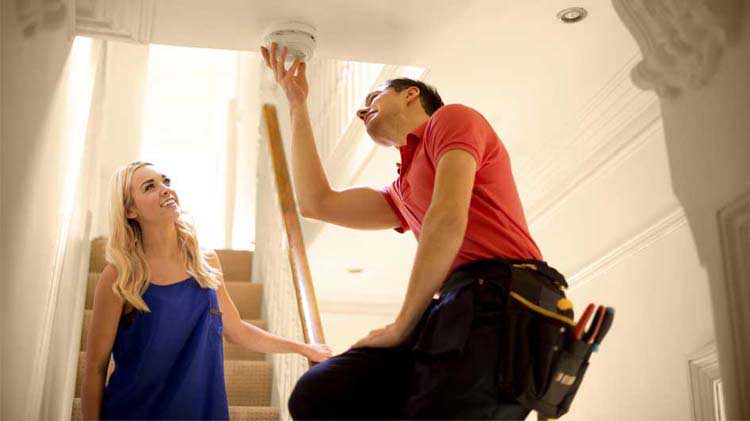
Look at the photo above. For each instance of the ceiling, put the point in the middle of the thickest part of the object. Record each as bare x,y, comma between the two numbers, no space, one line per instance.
513,61
529,74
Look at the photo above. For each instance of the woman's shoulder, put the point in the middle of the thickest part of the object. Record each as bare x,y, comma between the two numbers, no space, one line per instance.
108,275
104,286
211,257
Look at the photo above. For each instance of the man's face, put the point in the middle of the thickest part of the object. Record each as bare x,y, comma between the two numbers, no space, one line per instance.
379,113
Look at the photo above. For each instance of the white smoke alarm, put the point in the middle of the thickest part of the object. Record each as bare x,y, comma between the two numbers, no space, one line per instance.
298,37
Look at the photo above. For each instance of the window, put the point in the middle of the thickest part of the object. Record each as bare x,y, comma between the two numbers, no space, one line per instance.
189,92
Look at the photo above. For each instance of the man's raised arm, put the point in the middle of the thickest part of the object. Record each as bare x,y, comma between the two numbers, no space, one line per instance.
362,207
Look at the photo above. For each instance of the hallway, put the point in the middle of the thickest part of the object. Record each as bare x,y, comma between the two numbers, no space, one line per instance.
634,187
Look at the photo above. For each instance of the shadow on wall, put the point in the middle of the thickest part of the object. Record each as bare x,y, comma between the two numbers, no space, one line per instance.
35,15
696,57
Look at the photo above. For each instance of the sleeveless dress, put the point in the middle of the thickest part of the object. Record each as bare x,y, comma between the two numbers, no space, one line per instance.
169,363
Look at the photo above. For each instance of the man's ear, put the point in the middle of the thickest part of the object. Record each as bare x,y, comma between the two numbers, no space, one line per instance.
412,92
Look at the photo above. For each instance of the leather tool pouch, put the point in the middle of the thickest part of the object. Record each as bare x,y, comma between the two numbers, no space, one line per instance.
542,365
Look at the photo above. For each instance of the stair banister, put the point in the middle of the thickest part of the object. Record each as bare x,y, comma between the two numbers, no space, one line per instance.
303,286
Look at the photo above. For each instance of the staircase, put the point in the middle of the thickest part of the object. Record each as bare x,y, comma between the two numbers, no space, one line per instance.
247,374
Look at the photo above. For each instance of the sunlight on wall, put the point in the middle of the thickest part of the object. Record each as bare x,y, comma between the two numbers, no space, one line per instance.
80,83
186,116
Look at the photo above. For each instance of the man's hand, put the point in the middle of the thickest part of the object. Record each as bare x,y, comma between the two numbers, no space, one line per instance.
387,337
293,81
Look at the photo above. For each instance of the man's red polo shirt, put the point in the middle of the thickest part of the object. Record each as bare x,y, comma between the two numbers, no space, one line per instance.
496,225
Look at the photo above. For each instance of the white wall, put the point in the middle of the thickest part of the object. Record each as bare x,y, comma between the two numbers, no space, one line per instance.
46,87
2,152
118,140
244,158
663,317
642,260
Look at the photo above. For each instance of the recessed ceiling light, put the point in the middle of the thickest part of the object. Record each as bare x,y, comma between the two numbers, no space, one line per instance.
572,14
354,270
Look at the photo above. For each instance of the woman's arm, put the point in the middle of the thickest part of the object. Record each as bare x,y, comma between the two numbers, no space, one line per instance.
254,338
101,337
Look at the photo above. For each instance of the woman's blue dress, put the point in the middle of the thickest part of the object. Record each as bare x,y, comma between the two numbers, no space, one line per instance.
169,363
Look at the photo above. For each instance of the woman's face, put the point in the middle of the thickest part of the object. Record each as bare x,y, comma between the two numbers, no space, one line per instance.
155,201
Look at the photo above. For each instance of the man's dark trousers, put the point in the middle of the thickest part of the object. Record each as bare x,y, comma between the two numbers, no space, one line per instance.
447,369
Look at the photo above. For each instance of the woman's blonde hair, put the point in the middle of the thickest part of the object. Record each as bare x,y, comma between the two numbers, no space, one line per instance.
125,244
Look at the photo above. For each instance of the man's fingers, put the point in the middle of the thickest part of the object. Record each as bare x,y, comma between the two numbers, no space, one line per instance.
294,68
273,56
266,58
282,60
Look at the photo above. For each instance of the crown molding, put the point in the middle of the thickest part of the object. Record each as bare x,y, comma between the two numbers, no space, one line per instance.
682,41
666,225
619,148
734,233
618,120
127,21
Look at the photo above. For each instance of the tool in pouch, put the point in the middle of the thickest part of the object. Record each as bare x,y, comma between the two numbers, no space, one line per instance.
547,351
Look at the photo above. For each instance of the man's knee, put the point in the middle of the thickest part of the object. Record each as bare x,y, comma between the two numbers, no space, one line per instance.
306,400
341,386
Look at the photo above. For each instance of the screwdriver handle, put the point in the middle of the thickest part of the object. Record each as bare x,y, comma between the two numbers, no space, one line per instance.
606,324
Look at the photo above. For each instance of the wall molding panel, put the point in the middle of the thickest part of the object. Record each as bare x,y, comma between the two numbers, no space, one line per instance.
734,233
670,223
128,21
705,384
682,41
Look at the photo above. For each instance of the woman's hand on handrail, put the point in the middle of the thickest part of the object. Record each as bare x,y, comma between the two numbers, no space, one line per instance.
316,352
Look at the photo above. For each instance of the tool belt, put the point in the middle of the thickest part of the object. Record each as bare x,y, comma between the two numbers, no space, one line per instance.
541,363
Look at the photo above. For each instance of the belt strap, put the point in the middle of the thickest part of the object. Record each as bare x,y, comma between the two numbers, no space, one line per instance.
500,270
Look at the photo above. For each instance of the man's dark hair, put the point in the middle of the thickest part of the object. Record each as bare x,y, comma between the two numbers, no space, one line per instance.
428,96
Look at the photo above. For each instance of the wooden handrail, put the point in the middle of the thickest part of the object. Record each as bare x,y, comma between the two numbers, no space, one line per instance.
306,302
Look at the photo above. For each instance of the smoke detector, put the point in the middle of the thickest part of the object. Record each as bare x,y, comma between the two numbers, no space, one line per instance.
298,37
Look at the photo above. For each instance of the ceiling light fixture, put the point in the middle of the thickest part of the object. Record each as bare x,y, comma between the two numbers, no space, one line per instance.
572,14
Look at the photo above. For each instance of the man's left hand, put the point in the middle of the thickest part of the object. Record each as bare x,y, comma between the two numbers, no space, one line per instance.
387,337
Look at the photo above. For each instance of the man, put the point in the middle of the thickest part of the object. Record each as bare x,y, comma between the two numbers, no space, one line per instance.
456,192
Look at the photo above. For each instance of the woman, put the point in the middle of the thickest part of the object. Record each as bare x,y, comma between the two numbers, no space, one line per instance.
160,307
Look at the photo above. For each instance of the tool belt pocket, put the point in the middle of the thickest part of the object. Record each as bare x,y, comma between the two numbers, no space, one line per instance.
541,365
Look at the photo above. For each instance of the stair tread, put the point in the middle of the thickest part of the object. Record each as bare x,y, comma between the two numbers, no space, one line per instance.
236,264
236,412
